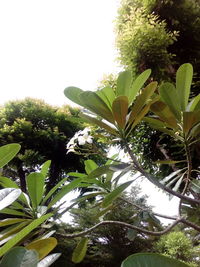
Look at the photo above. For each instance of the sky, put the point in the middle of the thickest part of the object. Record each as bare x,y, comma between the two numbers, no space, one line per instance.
48,45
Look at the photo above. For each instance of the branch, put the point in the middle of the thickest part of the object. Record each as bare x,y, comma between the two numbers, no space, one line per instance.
126,225
156,182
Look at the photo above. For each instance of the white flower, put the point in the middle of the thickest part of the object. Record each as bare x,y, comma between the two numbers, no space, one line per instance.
85,138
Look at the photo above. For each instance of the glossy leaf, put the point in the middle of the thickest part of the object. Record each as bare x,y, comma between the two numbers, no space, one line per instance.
99,123
24,232
11,221
53,190
194,104
141,100
120,110
73,94
95,104
7,153
20,257
170,96
114,194
171,175
151,260
45,168
183,83
195,186
80,250
178,183
8,196
107,95
65,190
9,231
164,113
43,246
90,166
138,84
169,162
47,261
190,119
124,83
35,185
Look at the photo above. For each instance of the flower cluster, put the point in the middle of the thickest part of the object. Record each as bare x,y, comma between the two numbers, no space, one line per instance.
80,138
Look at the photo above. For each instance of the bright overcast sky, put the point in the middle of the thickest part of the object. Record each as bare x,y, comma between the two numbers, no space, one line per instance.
47,45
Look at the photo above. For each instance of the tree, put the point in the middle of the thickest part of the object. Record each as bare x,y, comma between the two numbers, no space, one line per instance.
160,35
43,132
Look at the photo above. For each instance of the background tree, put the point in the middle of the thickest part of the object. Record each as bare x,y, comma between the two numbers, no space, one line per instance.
160,35
109,245
43,131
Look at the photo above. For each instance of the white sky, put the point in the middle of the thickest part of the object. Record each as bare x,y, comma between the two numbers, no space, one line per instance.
47,45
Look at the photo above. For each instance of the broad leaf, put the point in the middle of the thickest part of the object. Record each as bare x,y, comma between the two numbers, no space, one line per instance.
194,104
99,123
114,194
80,250
47,261
190,119
73,94
90,166
141,101
45,168
138,84
24,232
7,153
53,190
35,184
20,257
65,190
95,104
8,196
169,95
151,260
124,83
183,83
120,110
107,95
43,246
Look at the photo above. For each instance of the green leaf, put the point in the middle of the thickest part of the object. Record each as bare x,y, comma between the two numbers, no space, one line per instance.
73,94
20,257
107,95
141,101
43,246
8,196
138,84
164,113
114,194
53,190
9,221
90,166
195,186
24,232
169,95
45,168
124,83
7,153
120,110
99,123
65,190
35,185
151,260
9,231
13,212
194,104
47,261
80,250
190,119
95,104
169,162
183,83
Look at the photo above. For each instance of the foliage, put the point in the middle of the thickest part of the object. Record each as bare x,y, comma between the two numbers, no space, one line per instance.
159,35
172,112
178,246
43,132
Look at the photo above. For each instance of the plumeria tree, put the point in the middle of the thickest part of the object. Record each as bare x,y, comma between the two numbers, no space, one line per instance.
167,108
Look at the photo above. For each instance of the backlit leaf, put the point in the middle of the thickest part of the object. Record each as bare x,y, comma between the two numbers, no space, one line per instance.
80,250
73,94
124,83
35,185
120,109
7,153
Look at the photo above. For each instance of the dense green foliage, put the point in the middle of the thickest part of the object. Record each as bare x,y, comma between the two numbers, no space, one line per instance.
43,132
